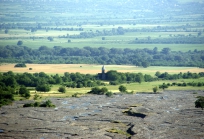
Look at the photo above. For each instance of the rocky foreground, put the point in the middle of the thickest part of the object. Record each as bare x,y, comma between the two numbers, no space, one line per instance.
171,114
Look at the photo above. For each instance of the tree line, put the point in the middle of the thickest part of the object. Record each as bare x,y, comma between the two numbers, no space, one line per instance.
91,55
16,84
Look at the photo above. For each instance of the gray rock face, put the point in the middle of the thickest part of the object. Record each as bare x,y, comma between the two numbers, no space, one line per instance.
171,114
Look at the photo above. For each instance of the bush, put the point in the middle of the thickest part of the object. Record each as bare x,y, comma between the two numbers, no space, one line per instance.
20,65
47,103
36,96
62,89
155,89
28,105
199,103
36,104
109,94
43,88
98,91
75,95
122,88
104,90
19,42
114,83
24,92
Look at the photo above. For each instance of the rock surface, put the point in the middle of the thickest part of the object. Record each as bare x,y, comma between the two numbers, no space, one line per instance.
171,114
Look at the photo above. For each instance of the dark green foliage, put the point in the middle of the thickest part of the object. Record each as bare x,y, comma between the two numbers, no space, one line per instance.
43,88
145,64
157,74
6,31
28,105
104,90
155,89
62,89
19,42
88,55
36,104
163,86
75,95
109,94
199,103
47,103
20,65
50,38
36,96
24,92
98,91
5,98
122,88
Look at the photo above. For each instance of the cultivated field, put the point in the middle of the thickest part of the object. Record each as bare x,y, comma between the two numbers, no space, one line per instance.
94,69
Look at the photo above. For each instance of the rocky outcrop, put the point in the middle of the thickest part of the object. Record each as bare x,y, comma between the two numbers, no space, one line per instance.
171,114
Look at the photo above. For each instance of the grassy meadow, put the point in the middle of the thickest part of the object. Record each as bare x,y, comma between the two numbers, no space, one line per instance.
135,87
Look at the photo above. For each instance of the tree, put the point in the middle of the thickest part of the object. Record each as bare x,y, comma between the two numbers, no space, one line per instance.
122,88
6,31
19,42
20,65
199,103
95,90
157,74
145,64
139,78
109,94
62,89
155,89
166,50
50,38
24,92
36,96
43,87
69,41
163,86
104,90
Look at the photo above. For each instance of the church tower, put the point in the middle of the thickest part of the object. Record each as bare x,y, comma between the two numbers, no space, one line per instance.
103,73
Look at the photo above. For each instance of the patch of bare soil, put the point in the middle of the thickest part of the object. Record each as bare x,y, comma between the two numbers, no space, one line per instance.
171,114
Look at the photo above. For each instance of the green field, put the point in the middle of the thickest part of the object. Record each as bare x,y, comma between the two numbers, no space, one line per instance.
145,87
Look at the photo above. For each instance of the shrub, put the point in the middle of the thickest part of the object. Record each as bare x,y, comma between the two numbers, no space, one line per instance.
24,92
47,103
122,88
155,89
36,96
75,95
109,94
28,105
36,104
19,42
20,65
43,87
104,90
199,103
62,89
